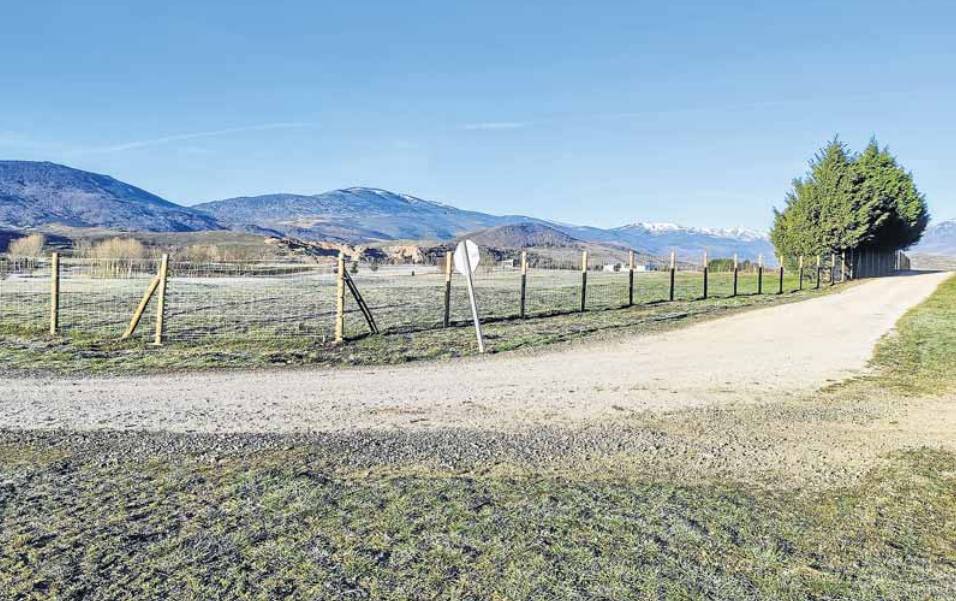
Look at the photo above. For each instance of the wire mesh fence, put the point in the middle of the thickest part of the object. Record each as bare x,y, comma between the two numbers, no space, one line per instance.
276,300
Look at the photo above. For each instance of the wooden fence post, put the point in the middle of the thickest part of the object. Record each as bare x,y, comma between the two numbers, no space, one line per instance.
673,273
843,266
340,299
818,272
759,274
780,288
801,273
161,300
706,267
141,308
736,274
630,279
584,279
832,268
446,319
54,293
524,283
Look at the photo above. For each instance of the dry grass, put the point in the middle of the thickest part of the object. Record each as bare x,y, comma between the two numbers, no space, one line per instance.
28,246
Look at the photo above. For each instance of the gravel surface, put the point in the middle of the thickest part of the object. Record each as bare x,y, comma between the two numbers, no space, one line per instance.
771,354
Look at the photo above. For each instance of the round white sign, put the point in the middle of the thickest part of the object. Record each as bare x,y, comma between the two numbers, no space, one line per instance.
466,257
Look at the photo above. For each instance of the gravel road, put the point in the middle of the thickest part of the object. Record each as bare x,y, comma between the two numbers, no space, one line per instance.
764,355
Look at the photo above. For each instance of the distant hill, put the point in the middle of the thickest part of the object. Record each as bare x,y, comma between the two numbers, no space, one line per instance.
54,197
370,215
517,236
352,214
34,194
939,239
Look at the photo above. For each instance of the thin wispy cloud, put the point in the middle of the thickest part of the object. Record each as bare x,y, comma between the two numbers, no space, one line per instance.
495,125
215,133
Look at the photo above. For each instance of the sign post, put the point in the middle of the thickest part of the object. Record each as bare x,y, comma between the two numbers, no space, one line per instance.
466,261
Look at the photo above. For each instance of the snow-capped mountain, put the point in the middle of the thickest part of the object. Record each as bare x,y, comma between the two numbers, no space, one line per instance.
38,195
939,239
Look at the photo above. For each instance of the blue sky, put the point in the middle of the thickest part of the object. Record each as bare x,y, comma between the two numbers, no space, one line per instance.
596,113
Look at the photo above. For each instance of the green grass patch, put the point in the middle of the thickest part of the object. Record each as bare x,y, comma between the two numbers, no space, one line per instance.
920,356
290,524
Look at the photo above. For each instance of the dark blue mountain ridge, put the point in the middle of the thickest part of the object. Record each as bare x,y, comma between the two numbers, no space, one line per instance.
34,194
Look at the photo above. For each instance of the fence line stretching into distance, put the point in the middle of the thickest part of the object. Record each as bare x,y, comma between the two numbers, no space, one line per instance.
161,299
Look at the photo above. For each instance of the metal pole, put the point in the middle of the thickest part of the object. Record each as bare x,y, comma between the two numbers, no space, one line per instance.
736,274
705,275
474,304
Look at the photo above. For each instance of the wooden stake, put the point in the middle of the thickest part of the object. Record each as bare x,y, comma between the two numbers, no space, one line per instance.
161,300
780,288
524,282
54,293
673,274
630,279
736,273
584,279
141,308
446,321
340,299
801,272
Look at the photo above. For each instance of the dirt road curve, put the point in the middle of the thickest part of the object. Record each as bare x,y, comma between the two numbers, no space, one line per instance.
759,356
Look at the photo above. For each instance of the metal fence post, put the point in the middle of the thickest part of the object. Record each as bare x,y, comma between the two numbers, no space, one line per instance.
161,300
54,293
759,274
706,267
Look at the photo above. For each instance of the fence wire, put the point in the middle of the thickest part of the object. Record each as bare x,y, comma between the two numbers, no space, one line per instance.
274,301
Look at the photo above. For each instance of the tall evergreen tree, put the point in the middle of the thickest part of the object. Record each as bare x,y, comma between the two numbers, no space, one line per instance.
848,201
818,216
894,210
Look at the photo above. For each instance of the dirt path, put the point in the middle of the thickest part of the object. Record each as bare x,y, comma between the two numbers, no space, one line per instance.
760,356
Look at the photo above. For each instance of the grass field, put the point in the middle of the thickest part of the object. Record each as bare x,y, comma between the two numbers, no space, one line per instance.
546,514
217,319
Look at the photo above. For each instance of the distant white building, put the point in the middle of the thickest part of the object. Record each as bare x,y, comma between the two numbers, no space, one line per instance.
614,267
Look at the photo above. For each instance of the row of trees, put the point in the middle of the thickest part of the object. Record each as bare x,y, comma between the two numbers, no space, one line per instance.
850,201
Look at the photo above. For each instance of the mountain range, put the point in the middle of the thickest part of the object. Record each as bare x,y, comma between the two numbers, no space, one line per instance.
36,195
939,239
